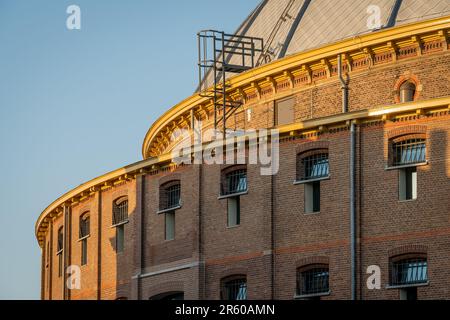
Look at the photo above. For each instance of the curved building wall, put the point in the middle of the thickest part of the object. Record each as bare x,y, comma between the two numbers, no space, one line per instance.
275,236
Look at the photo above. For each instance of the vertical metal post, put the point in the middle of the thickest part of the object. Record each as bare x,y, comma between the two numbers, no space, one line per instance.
215,82
224,90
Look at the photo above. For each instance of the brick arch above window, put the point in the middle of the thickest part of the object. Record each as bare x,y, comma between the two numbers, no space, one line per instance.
310,146
308,262
232,272
232,167
169,178
406,130
407,77
161,288
406,250
119,194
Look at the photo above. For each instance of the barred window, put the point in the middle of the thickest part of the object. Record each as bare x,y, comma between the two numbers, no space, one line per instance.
170,195
315,166
409,271
120,211
409,152
313,281
84,225
234,288
234,182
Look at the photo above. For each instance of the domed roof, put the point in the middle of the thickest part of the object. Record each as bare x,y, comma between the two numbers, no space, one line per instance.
291,26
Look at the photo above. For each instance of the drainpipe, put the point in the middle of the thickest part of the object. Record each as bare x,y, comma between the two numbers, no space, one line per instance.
352,182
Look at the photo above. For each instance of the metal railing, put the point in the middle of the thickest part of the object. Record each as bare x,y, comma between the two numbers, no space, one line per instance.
409,152
235,182
315,166
235,290
120,212
409,271
313,281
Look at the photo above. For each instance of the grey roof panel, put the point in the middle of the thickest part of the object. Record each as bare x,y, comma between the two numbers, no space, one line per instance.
417,10
329,21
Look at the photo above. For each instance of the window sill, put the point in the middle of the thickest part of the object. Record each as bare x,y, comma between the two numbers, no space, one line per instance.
233,227
168,209
405,286
311,213
119,224
314,295
407,201
232,195
412,165
297,182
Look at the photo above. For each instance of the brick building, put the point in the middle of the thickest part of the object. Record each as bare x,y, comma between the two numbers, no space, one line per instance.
361,191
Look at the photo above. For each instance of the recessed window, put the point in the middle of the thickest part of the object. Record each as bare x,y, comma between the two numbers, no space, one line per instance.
233,186
60,249
407,92
235,182
312,166
169,201
407,184
234,288
406,153
408,273
169,225
409,151
313,281
284,111
170,195
120,218
84,234
234,211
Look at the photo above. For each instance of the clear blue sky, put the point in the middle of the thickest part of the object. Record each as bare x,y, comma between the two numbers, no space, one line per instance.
77,104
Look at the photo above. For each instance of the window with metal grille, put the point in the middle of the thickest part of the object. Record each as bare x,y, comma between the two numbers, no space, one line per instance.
315,166
409,271
120,211
312,281
170,196
235,182
409,152
234,289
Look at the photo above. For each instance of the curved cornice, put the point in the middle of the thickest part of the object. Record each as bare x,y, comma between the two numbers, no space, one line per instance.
150,165
357,44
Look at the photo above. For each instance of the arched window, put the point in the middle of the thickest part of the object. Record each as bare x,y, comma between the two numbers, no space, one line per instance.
120,211
409,151
233,185
312,167
313,280
84,235
313,164
170,195
120,218
407,272
234,288
60,248
407,92
405,154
